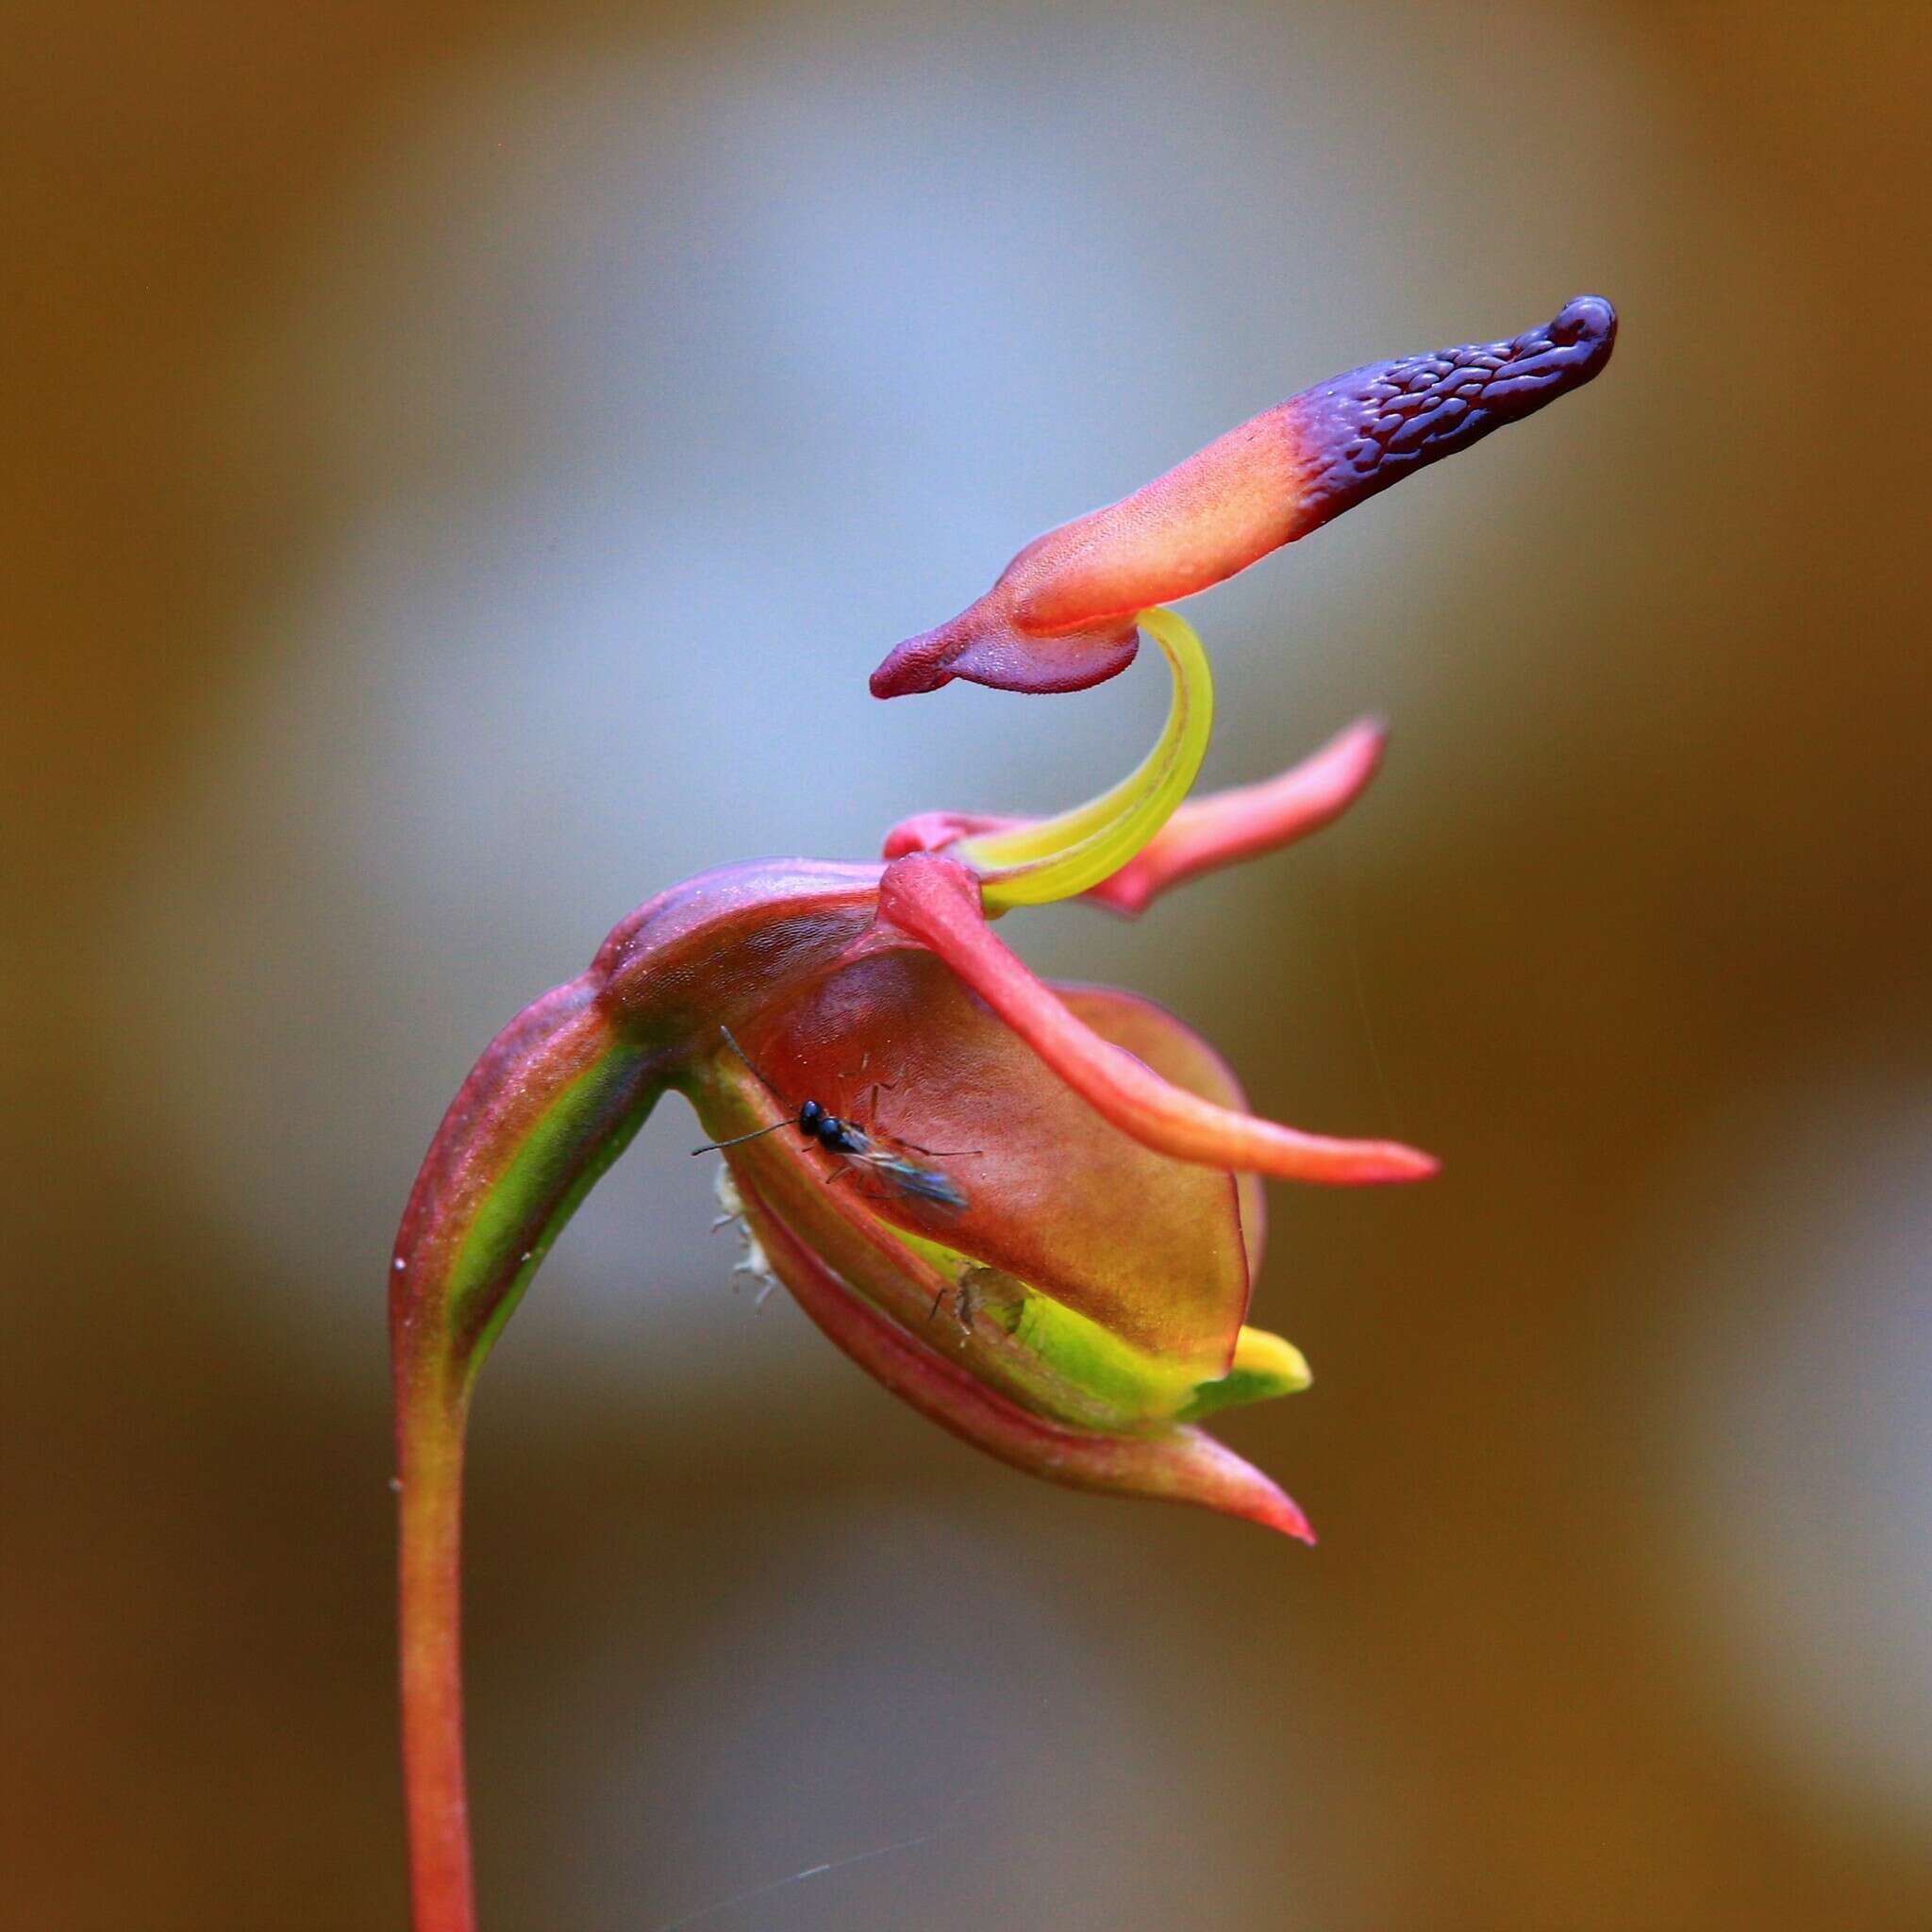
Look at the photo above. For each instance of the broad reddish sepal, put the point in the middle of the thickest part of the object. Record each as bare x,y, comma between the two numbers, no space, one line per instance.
1180,1464
1056,1197
1061,616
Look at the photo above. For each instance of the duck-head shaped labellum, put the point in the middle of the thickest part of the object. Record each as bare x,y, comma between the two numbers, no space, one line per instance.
1064,614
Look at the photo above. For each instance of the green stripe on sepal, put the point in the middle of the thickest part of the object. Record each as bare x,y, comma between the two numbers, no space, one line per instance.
1107,1382
587,1123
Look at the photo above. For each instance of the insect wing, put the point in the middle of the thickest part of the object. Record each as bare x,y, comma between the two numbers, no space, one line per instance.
921,1183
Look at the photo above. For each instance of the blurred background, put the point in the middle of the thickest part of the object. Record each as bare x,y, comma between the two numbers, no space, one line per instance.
462,463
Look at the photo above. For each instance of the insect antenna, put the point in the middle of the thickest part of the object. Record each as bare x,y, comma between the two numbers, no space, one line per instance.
731,1040
712,1146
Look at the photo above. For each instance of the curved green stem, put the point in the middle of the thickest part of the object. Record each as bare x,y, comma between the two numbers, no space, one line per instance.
552,1103
1058,857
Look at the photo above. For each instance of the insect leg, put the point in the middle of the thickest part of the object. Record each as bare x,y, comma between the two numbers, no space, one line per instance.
940,1153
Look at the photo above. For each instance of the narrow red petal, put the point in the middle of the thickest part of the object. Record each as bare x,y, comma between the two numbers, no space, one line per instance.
936,901
1228,826
1205,834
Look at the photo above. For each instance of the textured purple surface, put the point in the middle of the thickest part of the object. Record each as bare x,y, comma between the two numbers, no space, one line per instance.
1370,427
1064,614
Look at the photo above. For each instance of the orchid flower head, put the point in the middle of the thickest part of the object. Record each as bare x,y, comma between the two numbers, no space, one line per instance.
1032,1211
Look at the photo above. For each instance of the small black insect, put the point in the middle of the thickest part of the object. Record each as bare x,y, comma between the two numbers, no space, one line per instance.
856,1144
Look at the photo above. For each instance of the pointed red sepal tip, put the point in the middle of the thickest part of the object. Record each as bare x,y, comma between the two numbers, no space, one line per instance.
1181,1464
935,900
1226,827
1060,616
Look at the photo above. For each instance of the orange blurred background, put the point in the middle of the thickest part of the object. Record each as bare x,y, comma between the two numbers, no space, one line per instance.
463,462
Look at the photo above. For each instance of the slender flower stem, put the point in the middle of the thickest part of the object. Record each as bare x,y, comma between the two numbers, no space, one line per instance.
430,1454
553,1102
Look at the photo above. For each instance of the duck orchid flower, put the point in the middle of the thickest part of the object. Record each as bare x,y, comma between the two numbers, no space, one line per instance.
1032,1211
1064,614
1037,1219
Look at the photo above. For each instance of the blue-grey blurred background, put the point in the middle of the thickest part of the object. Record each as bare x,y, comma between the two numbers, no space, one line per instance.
462,464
